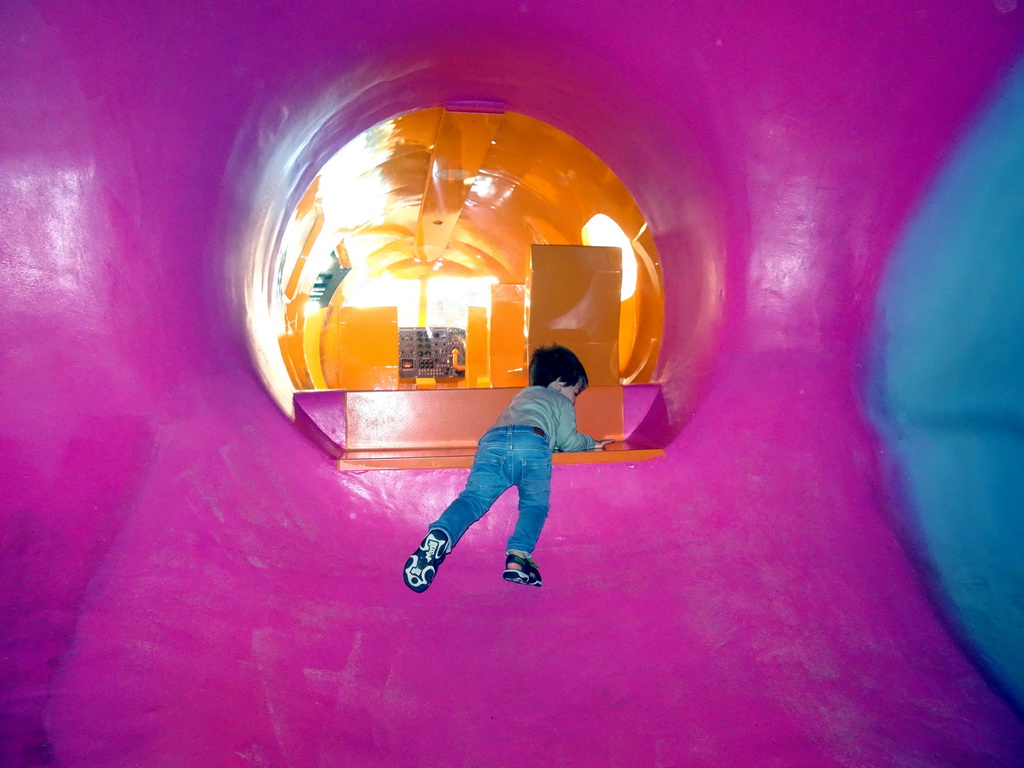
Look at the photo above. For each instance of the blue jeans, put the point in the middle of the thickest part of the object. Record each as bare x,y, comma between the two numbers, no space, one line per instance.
505,456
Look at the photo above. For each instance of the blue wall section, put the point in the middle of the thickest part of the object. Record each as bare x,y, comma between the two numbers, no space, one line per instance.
949,387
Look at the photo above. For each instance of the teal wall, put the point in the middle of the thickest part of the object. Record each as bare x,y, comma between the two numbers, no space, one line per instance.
948,390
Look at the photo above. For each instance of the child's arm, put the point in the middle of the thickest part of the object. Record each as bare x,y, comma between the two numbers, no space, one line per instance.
600,444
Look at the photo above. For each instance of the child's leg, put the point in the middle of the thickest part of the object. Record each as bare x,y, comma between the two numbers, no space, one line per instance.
488,479
534,483
483,487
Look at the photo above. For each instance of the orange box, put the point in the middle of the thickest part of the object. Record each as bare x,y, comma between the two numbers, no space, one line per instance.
367,347
478,348
508,338
575,298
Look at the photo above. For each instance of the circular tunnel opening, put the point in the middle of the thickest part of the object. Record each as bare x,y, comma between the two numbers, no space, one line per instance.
359,192
409,260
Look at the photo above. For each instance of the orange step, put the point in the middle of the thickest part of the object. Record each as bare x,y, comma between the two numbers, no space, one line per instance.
439,428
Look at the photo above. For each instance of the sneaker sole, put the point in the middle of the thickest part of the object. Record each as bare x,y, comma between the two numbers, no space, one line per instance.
421,567
518,577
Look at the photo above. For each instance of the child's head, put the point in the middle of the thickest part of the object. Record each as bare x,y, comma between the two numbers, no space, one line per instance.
555,363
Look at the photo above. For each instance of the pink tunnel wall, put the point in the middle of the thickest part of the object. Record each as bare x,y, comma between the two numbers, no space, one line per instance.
187,581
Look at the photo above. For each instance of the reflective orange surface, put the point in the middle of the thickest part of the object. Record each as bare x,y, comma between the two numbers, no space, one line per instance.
439,428
508,343
574,301
369,337
456,194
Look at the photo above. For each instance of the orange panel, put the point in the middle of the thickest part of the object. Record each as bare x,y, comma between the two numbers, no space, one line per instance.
575,301
315,225
311,347
627,332
649,312
420,418
293,313
435,428
448,418
294,360
368,347
508,337
309,198
478,348
463,140
463,459
599,412
330,348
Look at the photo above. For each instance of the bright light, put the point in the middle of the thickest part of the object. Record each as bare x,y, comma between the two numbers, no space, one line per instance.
351,186
404,295
602,230
448,298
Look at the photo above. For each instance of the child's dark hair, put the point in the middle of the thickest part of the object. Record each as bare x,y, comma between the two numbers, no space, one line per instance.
552,363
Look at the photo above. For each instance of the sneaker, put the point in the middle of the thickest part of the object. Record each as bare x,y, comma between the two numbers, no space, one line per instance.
527,573
421,566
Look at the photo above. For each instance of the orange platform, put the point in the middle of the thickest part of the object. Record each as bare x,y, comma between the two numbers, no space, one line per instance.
439,428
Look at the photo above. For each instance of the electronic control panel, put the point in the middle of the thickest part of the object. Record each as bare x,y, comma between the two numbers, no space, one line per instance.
431,353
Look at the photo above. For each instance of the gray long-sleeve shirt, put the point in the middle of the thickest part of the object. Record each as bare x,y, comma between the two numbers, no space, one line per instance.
551,411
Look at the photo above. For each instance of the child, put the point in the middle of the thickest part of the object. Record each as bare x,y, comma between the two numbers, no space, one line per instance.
515,451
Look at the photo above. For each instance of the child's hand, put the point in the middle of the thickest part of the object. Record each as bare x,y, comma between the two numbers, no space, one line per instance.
600,444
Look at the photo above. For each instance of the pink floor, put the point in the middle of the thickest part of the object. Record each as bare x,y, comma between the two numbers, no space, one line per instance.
187,581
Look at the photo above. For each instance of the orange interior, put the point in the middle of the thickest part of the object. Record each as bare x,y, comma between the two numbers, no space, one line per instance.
476,220
574,301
